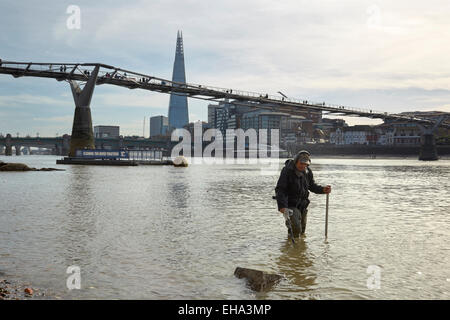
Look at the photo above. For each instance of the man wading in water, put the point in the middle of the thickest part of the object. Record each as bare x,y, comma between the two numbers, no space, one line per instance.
292,191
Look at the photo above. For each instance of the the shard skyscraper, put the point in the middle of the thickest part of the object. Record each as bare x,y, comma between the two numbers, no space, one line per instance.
178,106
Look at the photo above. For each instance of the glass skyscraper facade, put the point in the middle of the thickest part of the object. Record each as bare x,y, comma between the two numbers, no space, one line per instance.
178,106
158,126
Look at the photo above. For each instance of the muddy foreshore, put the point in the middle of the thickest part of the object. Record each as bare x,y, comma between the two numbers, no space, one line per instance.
11,290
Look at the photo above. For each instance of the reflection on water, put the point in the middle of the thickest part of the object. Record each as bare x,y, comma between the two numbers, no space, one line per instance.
297,255
78,226
153,232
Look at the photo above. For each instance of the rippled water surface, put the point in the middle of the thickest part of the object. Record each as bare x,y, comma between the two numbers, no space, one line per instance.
151,232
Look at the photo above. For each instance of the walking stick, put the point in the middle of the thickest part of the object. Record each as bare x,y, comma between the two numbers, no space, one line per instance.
326,216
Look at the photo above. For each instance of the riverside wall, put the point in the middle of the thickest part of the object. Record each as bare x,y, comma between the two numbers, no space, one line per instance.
368,150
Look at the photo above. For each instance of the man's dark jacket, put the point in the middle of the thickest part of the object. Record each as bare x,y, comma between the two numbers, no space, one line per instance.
293,188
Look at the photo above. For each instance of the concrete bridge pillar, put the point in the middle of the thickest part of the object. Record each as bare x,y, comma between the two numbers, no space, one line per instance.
65,145
8,147
82,132
2,149
17,150
57,150
428,150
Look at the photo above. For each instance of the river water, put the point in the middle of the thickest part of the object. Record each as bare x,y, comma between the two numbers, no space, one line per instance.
153,232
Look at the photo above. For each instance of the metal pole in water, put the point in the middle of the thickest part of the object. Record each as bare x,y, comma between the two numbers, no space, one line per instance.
326,216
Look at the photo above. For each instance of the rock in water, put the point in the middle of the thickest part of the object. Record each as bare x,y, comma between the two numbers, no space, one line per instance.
180,161
14,167
5,166
257,280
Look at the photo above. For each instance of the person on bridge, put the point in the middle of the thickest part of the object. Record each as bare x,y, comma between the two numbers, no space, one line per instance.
292,191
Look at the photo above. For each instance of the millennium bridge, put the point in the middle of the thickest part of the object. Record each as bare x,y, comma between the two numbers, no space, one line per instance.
83,77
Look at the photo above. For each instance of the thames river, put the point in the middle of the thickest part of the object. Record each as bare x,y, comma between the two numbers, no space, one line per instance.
160,232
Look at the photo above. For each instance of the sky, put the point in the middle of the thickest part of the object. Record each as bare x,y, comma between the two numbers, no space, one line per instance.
390,56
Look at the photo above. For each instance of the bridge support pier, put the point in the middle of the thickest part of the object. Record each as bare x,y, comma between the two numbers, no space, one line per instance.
82,132
8,147
57,150
17,150
8,151
26,150
428,150
65,145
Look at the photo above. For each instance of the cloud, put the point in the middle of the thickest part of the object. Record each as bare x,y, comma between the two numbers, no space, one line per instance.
62,119
21,99
309,44
338,52
444,107
135,98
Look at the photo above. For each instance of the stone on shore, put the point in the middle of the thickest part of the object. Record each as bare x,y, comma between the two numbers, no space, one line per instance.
4,289
18,291
257,280
28,291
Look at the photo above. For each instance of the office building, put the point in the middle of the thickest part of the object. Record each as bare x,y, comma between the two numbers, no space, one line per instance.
159,126
106,131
